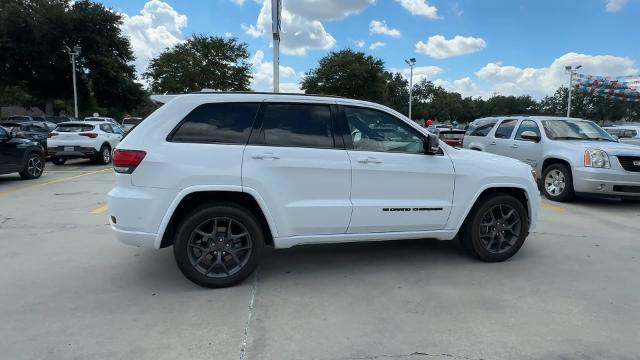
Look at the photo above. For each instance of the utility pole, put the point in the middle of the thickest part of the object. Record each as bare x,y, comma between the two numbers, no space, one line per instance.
73,53
276,13
571,71
411,62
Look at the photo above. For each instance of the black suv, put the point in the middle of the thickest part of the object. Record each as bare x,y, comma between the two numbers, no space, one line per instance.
24,156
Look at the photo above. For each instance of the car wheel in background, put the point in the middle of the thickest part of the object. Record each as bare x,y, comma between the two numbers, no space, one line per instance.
495,229
58,160
104,157
34,167
557,183
218,245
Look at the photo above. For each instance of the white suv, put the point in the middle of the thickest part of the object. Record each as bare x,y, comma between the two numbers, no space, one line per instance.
221,175
83,139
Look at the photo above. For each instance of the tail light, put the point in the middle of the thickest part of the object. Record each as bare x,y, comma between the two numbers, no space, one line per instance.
125,161
52,134
89,135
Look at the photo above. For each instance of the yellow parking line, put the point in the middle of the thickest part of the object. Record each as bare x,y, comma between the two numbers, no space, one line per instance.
101,210
554,207
2,193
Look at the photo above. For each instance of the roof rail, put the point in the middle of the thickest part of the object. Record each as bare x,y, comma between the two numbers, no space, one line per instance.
262,93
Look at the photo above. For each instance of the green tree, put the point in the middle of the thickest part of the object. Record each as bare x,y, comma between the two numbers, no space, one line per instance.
350,74
33,34
397,92
202,62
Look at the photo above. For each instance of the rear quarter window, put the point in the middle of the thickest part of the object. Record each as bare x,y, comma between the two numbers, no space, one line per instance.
481,127
225,123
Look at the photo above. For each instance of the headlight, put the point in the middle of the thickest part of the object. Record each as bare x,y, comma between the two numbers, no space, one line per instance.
596,158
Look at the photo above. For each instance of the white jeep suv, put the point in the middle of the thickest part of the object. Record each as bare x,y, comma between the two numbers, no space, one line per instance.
222,175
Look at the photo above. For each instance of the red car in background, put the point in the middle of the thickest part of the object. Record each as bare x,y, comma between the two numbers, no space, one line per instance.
452,137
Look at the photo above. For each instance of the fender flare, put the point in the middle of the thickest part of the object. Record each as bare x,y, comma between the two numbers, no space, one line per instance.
212,188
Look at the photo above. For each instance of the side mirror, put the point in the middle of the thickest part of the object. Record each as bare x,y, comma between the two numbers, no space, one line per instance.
530,135
432,144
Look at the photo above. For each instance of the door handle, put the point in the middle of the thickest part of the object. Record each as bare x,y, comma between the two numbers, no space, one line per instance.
369,160
492,143
266,156
515,146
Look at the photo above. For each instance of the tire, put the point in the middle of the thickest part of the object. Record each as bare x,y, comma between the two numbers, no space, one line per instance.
563,187
104,156
33,167
58,160
495,243
212,258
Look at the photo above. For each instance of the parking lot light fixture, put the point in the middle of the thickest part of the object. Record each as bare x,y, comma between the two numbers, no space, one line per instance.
411,62
571,71
73,53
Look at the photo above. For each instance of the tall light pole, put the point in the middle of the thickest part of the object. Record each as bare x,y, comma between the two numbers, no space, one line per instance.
411,62
73,53
276,11
571,71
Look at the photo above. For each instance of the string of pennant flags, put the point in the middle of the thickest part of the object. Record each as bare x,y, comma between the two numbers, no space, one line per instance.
620,88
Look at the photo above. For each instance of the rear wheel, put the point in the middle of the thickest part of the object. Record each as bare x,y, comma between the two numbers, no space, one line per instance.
496,230
557,183
58,160
34,167
104,156
218,245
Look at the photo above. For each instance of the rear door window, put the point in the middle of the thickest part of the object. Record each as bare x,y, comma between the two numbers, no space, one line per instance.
300,125
527,125
225,123
505,129
106,128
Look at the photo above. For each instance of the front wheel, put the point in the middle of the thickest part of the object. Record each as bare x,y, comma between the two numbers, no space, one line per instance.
34,167
496,230
557,183
218,245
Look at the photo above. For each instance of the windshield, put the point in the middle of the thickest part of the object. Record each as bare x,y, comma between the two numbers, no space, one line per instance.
574,130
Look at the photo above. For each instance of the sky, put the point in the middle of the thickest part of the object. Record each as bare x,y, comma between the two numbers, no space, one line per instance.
478,48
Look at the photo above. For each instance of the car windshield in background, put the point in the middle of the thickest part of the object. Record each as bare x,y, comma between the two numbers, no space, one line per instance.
74,127
574,130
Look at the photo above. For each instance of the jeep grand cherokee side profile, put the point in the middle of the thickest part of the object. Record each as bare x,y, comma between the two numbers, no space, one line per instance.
219,176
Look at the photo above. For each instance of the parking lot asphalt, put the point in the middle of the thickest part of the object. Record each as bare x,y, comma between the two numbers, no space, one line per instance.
69,290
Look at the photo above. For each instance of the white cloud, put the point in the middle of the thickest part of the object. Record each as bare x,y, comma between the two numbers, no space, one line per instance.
376,45
157,27
238,2
615,5
539,82
455,9
420,7
263,75
228,34
302,27
419,72
380,27
438,47
359,43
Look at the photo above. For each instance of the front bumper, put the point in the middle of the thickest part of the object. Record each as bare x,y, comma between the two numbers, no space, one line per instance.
614,181
78,151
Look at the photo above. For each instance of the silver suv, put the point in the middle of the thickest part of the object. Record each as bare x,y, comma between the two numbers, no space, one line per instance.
627,134
569,155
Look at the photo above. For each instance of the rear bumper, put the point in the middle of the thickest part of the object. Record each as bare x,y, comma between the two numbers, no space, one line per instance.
78,151
134,238
614,182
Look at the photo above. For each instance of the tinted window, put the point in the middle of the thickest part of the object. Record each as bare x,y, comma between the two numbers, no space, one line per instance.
228,123
38,128
298,125
74,127
481,127
373,130
527,125
505,129
3,133
563,129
